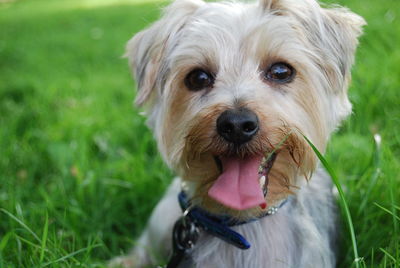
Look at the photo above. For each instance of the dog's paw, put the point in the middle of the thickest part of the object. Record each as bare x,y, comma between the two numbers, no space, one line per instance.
122,262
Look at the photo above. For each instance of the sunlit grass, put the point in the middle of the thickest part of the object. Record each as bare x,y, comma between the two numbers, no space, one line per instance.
54,6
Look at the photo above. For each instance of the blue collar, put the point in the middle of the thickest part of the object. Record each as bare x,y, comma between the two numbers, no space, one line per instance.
218,225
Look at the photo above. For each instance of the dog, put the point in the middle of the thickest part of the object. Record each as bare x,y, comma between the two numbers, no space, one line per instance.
230,90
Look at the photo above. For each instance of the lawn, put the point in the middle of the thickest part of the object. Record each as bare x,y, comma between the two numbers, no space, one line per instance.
79,171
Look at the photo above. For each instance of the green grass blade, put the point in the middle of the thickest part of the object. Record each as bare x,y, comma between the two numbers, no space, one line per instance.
387,254
70,255
376,174
44,237
342,199
278,146
26,241
21,223
4,241
388,211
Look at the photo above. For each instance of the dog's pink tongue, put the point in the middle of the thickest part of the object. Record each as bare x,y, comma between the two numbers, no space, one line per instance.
238,186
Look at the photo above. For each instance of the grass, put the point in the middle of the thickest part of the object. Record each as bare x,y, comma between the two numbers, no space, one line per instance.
79,171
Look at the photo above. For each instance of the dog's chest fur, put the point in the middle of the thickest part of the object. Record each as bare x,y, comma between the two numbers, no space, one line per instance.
293,237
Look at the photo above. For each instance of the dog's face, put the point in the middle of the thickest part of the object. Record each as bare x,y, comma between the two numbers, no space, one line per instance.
232,88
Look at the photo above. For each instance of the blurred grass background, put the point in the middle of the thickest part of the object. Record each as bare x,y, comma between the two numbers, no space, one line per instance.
79,171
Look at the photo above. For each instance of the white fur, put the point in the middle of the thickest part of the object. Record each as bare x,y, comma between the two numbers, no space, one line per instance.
234,37
237,42
301,234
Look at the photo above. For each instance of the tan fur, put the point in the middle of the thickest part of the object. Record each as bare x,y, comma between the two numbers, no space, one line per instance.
237,42
237,50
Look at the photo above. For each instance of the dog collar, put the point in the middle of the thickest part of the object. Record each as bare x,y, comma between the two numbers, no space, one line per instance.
218,225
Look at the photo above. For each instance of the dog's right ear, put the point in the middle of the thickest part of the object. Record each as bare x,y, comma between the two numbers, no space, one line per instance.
146,50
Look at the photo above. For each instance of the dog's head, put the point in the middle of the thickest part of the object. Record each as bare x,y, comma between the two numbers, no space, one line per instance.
230,88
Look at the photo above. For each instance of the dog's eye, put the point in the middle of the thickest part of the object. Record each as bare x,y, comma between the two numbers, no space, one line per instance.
280,73
198,79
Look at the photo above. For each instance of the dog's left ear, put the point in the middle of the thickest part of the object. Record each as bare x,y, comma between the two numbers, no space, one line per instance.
342,29
337,43
333,33
147,49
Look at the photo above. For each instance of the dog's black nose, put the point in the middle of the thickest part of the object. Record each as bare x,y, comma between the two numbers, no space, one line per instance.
237,125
